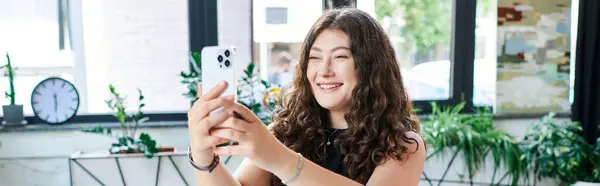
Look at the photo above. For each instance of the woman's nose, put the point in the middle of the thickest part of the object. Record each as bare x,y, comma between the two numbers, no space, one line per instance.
325,69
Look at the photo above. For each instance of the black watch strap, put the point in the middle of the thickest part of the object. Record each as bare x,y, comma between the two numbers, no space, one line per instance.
208,168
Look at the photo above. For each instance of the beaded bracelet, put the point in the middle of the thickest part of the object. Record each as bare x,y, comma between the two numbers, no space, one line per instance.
208,168
296,173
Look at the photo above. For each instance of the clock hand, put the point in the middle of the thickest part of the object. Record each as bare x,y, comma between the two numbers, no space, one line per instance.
55,103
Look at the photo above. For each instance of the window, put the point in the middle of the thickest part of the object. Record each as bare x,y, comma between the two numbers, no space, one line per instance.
434,43
30,34
277,43
421,35
130,44
136,44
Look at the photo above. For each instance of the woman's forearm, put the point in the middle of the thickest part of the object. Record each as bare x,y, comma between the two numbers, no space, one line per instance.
310,173
219,176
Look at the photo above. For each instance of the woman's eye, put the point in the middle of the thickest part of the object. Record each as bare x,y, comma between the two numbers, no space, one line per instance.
313,57
341,57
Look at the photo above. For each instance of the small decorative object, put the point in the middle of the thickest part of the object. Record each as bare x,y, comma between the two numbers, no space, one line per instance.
129,124
13,113
55,100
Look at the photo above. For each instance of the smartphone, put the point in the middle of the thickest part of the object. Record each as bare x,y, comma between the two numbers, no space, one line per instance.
219,64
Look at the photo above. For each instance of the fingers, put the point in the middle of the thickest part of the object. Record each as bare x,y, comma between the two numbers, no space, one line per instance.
216,119
237,150
229,134
200,110
234,123
214,92
209,106
243,111
212,141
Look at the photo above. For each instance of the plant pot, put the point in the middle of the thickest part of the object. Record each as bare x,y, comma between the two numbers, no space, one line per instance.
581,183
160,150
13,114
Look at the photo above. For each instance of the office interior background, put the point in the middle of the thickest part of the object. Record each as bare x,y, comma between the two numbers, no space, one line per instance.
507,90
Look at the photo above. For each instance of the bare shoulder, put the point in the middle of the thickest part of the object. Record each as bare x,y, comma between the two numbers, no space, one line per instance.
416,145
408,170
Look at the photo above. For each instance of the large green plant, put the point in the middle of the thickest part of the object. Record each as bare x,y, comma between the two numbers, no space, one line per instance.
558,150
446,129
129,124
9,72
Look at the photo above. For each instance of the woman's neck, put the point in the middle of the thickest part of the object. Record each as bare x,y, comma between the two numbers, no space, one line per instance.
337,120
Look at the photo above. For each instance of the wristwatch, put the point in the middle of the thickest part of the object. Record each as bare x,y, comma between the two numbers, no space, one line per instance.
208,168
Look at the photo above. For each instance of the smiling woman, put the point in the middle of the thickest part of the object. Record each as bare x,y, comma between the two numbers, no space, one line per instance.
346,121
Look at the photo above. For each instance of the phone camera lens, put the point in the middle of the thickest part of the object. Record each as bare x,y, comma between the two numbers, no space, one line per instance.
227,63
220,58
227,53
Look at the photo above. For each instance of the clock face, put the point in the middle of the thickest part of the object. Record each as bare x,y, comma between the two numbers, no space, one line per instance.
55,100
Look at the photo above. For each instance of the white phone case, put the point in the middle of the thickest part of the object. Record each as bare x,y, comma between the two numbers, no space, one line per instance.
218,65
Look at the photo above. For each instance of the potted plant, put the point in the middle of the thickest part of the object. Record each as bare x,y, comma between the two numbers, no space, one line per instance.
13,113
473,136
256,94
253,92
558,150
193,77
126,141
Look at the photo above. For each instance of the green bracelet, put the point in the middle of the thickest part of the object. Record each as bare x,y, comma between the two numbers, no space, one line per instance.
296,173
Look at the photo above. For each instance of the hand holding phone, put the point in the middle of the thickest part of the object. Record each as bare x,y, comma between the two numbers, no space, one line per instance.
219,65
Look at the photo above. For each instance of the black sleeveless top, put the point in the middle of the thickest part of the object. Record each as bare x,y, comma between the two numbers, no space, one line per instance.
334,160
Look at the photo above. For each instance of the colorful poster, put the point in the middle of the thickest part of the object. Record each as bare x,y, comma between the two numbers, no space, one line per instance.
533,56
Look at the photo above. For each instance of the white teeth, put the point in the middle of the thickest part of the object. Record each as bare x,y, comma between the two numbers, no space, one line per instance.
329,86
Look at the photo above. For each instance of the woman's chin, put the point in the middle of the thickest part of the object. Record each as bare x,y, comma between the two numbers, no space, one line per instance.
330,104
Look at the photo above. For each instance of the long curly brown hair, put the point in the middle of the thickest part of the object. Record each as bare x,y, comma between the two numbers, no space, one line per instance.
380,113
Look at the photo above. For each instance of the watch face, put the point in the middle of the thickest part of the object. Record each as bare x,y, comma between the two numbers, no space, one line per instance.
55,100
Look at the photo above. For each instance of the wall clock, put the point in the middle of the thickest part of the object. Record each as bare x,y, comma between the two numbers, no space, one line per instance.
55,100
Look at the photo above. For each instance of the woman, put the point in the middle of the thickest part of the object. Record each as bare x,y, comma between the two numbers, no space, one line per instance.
347,121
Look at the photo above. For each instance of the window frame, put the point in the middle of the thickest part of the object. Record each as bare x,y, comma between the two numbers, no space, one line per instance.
203,32
202,22
462,54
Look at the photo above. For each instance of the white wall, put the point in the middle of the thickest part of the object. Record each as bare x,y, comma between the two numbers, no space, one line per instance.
136,44
50,168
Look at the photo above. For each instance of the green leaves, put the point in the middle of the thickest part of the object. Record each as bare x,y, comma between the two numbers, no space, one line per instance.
147,145
9,72
98,130
191,78
248,86
129,124
557,150
473,135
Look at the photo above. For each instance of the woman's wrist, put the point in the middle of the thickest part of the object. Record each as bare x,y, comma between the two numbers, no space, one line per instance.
286,166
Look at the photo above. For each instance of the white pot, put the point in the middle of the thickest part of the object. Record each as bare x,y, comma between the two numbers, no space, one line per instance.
580,183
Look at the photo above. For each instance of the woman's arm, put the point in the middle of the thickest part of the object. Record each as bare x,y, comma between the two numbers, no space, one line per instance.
389,173
248,174
310,173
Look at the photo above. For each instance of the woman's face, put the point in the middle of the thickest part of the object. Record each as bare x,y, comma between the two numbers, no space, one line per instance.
331,70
